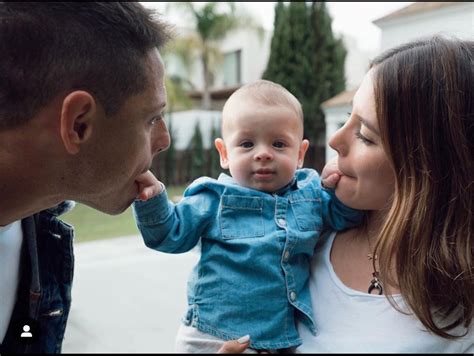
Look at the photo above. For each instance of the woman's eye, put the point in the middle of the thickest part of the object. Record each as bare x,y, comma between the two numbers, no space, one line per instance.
278,144
364,139
246,144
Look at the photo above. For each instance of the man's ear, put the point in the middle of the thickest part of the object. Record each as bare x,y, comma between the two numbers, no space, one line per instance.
220,145
303,148
77,117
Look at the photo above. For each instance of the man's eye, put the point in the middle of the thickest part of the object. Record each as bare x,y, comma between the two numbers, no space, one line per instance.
246,144
278,144
156,119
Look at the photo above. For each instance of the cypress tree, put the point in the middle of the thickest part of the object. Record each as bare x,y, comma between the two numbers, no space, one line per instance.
214,164
279,51
196,150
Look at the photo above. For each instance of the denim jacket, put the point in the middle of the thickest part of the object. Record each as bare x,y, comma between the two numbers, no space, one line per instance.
252,277
44,291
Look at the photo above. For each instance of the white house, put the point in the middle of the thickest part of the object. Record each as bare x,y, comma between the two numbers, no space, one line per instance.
417,20
245,57
426,18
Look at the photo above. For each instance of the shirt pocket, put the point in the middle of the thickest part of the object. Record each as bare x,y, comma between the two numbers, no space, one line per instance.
306,207
241,217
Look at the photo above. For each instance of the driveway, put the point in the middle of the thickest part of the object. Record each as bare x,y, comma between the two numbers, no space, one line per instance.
126,298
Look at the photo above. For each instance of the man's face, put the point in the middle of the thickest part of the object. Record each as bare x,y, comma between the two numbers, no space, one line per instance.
122,147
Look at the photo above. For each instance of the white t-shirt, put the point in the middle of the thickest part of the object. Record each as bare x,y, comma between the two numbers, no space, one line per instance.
350,321
11,237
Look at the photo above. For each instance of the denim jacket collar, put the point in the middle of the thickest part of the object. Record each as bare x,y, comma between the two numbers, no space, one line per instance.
292,185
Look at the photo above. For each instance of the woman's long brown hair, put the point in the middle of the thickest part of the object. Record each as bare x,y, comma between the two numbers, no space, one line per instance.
424,93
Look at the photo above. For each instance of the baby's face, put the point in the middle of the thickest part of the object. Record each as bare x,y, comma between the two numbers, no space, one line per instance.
262,146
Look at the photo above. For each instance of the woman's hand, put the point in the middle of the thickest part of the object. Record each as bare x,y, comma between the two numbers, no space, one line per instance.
235,346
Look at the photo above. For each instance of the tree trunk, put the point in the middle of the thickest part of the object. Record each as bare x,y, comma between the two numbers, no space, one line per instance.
206,95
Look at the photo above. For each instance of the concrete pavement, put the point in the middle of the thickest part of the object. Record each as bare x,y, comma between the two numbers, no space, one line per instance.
126,297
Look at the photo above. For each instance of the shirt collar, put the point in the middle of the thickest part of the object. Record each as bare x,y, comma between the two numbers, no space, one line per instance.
292,185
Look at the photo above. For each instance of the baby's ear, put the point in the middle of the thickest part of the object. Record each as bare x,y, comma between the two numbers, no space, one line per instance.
303,148
220,146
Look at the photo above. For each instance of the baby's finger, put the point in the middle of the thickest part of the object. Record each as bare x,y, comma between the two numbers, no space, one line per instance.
331,180
150,191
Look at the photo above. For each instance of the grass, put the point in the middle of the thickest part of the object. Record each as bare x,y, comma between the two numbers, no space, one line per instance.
90,224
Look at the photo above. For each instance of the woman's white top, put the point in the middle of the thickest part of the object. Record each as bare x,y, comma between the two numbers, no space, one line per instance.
11,237
350,321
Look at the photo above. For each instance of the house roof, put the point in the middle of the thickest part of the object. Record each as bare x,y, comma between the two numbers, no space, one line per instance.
417,7
342,99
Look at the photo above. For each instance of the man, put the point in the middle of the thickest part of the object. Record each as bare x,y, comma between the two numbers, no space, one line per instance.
81,100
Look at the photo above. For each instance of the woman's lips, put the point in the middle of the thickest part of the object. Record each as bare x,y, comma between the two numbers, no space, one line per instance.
343,173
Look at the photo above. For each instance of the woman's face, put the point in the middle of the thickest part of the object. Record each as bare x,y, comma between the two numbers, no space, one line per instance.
367,182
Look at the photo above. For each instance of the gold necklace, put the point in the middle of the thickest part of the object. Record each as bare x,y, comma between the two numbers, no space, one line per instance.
375,282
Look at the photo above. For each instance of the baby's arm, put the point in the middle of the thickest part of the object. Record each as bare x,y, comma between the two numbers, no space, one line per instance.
169,227
335,213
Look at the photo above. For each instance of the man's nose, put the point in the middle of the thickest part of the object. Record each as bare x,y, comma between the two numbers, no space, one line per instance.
161,138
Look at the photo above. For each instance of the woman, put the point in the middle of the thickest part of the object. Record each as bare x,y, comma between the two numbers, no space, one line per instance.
404,281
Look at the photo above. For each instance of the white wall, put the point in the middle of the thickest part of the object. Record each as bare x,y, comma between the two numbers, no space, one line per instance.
357,62
457,20
254,55
184,122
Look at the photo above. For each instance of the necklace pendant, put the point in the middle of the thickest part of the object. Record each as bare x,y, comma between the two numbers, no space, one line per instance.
375,284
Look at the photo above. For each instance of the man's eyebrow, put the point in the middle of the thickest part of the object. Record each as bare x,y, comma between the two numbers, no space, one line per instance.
365,122
154,109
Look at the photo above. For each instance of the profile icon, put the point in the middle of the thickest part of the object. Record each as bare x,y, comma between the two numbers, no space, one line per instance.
26,331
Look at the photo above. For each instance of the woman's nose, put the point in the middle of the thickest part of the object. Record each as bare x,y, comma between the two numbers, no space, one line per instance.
338,140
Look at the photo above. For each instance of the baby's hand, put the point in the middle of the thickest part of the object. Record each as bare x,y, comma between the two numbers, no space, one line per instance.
148,186
330,174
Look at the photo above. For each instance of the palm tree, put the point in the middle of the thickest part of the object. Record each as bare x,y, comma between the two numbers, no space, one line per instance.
210,25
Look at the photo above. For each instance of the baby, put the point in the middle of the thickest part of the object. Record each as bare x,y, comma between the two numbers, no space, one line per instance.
257,227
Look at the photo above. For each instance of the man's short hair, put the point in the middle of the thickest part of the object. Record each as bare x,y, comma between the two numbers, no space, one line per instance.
52,47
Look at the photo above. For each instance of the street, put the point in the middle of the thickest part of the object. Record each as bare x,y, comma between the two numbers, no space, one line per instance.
126,298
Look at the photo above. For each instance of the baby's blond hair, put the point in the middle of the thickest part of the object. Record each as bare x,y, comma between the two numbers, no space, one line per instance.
268,93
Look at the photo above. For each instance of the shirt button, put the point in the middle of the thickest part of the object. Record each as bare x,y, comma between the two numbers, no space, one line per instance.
286,255
292,296
282,222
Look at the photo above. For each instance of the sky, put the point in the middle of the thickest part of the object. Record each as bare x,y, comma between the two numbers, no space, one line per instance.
350,18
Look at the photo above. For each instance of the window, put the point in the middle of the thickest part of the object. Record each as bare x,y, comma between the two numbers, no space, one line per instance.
232,68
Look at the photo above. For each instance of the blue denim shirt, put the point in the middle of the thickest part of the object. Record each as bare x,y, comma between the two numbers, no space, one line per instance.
44,290
252,277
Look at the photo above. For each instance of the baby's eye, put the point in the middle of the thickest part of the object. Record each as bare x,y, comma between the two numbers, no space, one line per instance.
279,144
246,144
